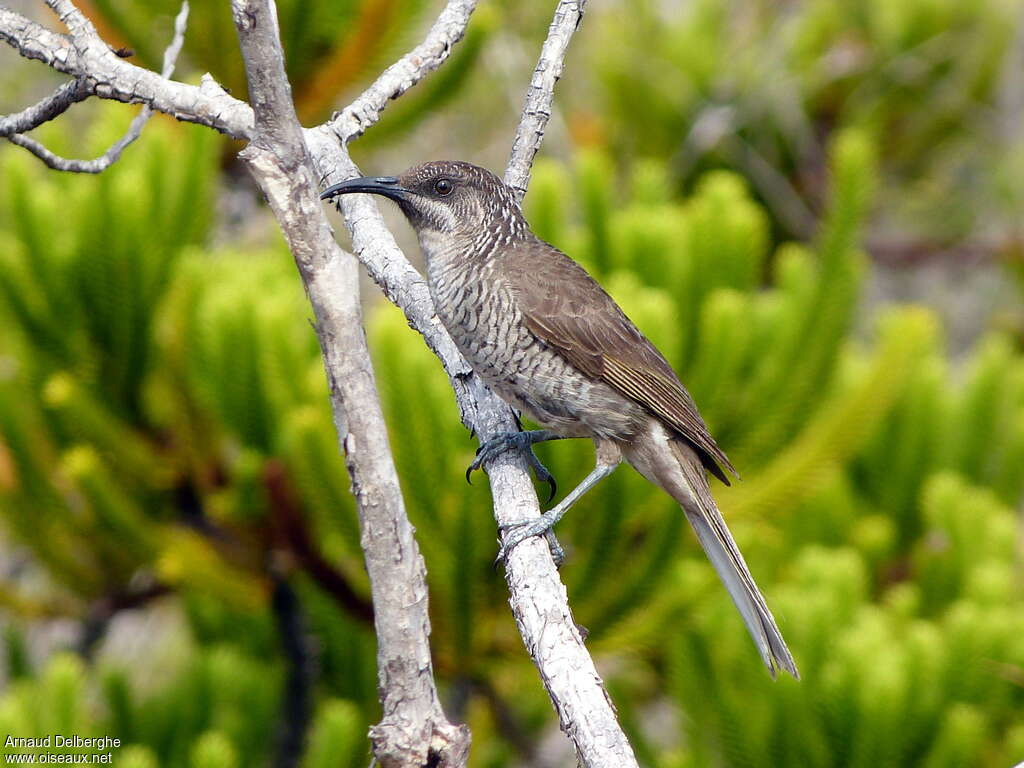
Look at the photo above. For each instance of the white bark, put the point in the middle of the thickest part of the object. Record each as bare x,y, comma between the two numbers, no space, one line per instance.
282,166
540,94
413,730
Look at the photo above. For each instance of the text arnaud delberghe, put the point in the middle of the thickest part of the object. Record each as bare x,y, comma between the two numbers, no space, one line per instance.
56,740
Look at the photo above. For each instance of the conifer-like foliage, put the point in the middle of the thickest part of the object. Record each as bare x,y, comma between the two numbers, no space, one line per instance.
166,443
753,86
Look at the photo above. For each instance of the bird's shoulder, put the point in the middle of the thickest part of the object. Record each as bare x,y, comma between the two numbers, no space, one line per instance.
568,307
569,311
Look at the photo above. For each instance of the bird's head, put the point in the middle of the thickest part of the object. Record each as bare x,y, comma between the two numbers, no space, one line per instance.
445,198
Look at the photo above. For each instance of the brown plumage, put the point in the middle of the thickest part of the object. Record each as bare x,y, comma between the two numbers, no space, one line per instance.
569,310
550,341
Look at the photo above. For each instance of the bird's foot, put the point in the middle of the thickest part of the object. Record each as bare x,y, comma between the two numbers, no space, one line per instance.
542,474
508,441
518,532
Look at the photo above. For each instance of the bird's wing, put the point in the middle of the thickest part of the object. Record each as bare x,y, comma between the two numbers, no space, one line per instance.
568,310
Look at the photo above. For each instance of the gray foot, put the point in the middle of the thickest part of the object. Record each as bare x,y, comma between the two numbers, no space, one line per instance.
516,533
515,440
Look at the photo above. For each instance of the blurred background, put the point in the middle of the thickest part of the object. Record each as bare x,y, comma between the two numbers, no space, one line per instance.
813,208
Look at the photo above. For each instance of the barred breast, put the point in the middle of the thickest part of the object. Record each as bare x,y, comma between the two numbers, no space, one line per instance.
480,313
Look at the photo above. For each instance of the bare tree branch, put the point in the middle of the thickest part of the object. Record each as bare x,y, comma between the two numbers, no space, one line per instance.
279,161
113,154
114,78
540,94
413,730
404,73
537,596
34,41
54,105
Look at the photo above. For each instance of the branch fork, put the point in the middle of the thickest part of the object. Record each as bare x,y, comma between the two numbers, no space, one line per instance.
287,160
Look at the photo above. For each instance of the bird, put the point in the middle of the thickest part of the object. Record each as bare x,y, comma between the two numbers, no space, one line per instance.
550,341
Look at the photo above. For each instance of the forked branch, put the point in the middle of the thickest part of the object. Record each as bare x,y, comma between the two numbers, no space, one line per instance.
413,730
279,155
537,596
79,90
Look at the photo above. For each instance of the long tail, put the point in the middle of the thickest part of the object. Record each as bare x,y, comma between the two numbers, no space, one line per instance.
702,512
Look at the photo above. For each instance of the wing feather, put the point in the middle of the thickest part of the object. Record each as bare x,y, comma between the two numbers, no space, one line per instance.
568,310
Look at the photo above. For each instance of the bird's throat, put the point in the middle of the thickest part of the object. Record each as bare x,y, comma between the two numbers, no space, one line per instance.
447,262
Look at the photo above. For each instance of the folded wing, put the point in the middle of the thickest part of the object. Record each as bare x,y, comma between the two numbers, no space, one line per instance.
568,310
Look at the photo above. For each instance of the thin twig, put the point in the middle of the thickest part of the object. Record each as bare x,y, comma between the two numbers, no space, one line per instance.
54,105
80,26
177,41
365,111
540,94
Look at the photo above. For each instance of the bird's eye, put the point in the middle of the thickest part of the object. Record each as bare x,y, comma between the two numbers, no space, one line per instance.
443,187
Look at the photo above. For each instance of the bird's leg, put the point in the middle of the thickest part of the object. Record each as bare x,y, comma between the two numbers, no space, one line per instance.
524,529
522,441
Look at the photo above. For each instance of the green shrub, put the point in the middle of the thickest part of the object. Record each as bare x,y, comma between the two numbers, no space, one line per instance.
173,435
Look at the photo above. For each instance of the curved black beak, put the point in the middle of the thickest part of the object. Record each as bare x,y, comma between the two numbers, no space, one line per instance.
373,185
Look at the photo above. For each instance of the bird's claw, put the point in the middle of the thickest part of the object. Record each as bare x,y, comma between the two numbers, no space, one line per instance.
518,532
507,441
542,474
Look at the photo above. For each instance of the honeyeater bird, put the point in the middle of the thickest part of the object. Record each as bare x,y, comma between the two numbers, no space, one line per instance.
552,343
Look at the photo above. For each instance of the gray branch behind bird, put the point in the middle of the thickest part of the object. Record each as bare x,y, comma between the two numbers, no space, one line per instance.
551,342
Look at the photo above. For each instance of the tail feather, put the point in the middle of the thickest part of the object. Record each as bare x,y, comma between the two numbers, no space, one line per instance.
721,549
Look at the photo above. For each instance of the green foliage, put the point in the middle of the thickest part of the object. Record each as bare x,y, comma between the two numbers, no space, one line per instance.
158,468
753,88
182,437
891,682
